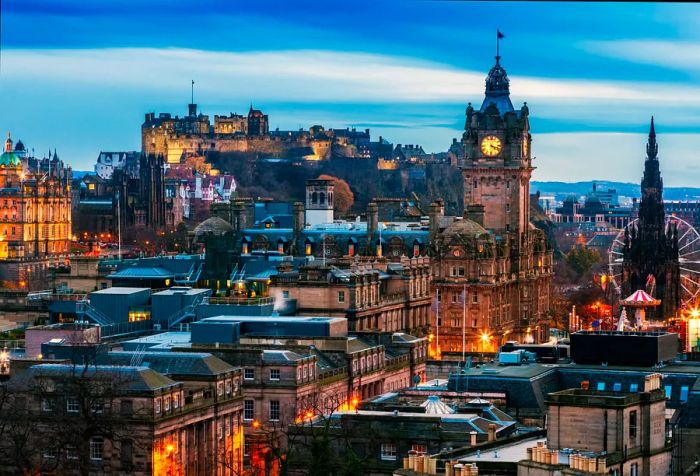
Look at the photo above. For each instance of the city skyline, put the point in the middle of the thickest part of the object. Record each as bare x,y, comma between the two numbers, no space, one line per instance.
404,70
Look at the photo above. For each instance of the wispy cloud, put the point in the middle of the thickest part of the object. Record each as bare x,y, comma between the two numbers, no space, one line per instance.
314,75
678,55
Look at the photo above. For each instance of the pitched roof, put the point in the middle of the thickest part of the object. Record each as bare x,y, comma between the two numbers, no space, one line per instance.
175,363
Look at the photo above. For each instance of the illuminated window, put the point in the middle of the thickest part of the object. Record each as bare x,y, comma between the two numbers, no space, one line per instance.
308,249
668,390
420,449
634,387
91,186
684,393
601,386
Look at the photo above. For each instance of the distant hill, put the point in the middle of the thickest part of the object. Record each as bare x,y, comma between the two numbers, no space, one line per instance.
623,188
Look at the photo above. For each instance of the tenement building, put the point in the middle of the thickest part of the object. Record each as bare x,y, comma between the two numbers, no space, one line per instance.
35,215
492,269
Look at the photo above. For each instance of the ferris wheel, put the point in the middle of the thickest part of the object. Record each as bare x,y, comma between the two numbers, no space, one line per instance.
688,257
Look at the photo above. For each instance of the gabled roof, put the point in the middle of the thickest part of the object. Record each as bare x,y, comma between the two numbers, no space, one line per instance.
175,363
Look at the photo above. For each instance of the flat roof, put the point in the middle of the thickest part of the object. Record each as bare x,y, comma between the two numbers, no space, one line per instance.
175,290
120,290
272,319
508,453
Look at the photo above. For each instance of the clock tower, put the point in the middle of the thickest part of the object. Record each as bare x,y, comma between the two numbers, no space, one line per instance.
497,161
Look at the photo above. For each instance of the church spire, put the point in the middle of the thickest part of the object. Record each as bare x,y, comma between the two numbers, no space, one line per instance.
652,146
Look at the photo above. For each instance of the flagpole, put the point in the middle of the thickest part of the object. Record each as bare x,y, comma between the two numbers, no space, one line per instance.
498,39
464,323
437,324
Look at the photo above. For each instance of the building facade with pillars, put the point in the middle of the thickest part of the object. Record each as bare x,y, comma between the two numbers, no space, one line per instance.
35,215
492,269
374,295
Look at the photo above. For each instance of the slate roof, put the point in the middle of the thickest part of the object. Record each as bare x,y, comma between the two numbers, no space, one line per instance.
146,272
175,363
129,379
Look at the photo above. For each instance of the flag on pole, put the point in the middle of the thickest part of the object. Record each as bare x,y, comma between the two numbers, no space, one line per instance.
499,34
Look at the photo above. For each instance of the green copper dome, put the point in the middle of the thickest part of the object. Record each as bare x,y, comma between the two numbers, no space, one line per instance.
10,159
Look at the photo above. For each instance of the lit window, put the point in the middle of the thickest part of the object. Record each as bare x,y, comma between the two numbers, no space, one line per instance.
96,447
388,451
668,389
220,389
274,374
617,387
156,405
684,393
228,387
601,386
634,387
176,401
166,404
420,449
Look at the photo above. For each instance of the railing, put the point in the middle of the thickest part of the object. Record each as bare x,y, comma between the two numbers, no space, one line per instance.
12,344
123,328
236,301
84,307
181,314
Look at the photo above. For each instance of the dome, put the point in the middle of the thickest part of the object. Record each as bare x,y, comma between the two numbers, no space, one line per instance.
10,159
19,147
465,228
214,225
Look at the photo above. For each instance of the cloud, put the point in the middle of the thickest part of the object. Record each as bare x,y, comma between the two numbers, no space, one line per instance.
314,75
678,55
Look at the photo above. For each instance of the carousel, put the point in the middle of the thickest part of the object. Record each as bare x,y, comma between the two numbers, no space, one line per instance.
639,301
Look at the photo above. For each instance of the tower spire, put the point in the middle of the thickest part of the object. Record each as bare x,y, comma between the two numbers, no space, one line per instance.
652,146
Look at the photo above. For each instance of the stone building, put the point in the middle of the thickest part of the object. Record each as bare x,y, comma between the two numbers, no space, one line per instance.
492,269
176,138
133,413
375,296
604,432
650,258
35,215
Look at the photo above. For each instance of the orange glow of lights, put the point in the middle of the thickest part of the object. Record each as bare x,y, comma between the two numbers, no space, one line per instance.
256,424
170,448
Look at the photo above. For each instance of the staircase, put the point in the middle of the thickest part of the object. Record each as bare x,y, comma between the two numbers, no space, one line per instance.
83,308
185,313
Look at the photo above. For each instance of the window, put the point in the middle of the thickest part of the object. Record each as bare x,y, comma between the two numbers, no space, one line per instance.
684,393
176,401
634,387
274,374
126,407
71,452
72,405
249,409
228,425
228,387
388,452
617,387
220,430
96,447
668,389
306,373
475,298
50,453
127,452
634,469
341,296
246,448
166,404
249,374
156,405
633,425
274,410
420,449
220,389
285,294
601,386
48,404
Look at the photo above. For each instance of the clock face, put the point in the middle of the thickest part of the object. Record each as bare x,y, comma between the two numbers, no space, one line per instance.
491,146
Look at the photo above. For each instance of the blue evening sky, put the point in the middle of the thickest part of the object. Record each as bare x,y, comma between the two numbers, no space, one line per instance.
79,75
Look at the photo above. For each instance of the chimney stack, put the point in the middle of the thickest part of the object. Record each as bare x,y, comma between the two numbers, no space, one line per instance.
475,213
492,432
372,219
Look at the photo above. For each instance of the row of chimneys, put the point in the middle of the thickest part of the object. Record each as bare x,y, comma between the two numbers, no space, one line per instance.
591,464
425,464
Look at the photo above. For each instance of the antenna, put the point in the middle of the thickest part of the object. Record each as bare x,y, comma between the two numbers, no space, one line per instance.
192,97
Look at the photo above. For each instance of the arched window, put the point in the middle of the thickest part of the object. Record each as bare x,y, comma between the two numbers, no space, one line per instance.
322,198
314,197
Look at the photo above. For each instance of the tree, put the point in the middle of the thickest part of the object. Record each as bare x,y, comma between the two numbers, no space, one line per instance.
342,195
581,259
